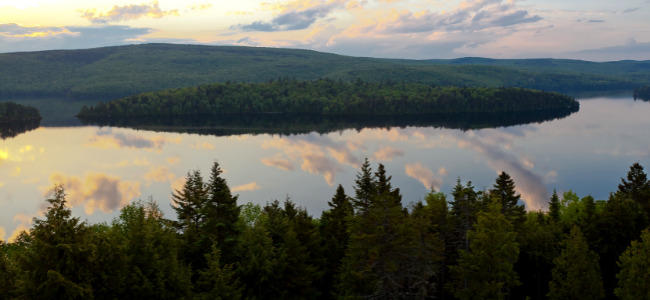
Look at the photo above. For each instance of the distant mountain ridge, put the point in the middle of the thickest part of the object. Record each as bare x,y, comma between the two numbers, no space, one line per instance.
112,72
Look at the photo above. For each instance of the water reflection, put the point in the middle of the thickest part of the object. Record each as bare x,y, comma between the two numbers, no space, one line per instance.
103,168
286,124
12,129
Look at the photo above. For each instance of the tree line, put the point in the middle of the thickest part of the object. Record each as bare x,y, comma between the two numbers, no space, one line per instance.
470,244
642,92
327,97
14,112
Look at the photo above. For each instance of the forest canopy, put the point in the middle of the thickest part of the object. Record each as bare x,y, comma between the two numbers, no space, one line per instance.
328,97
11,112
470,244
642,93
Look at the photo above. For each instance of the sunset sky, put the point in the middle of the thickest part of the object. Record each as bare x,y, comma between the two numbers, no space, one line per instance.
598,30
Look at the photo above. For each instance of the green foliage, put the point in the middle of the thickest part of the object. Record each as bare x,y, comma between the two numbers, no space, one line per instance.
554,206
486,271
576,274
218,282
61,254
469,244
634,277
327,97
636,187
503,192
112,72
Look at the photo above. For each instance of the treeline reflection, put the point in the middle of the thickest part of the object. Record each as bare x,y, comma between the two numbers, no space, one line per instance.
290,124
14,128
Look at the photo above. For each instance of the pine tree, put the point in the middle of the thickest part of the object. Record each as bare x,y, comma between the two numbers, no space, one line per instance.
637,186
8,275
59,261
554,207
220,213
576,274
504,192
152,249
334,228
188,204
365,189
486,271
634,277
218,281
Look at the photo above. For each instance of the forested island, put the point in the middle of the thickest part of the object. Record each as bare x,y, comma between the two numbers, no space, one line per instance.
471,244
12,112
642,93
17,118
327,97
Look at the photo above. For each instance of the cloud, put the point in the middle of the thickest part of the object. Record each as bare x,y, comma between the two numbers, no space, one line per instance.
423,175
631,49
199,145
127,13
97,191
316,154
388,154
280,163
294,15
173,160
196,7
106,139
252,186
14,37
159,174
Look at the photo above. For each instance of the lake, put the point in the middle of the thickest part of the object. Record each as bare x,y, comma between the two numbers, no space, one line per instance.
103,167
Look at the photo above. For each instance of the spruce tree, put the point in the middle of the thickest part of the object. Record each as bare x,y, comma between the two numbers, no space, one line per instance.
335,232
634,277
554,207
576,274
503,191
637,186
218,281
486,271
365,189
58,263
220,213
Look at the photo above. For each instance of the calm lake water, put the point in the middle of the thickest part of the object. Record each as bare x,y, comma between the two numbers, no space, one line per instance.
104,168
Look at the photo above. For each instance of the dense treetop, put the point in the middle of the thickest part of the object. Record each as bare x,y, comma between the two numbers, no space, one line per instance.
471,244
11,112
328,97
113,72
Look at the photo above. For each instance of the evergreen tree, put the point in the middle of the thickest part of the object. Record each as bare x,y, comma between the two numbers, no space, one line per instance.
218,281
8,274
462,214
152,250
220,213
637,186
576,274
188,204
634,277
335,232
258,263
504,192
486,271
365,189
58,263
554,207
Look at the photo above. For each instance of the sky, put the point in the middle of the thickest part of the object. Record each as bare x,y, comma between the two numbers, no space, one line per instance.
596,30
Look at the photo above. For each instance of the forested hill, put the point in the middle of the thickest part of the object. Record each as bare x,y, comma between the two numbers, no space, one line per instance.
328,97
113,72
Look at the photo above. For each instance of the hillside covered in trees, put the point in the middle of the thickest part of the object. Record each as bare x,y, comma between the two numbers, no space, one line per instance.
328,97
113,72
369,244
